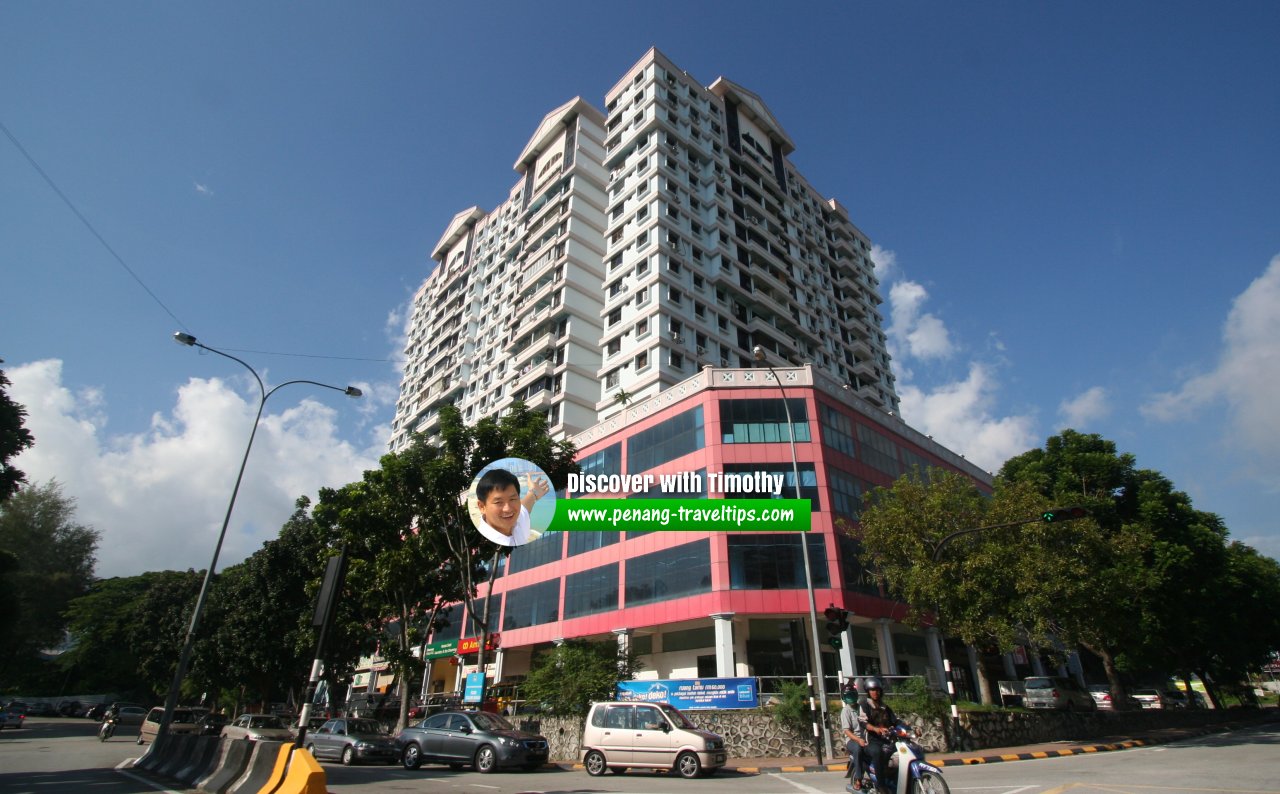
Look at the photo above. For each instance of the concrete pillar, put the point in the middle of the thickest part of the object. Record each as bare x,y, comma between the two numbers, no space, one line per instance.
1037,666
498,657
974,669
888,659
933,641
1010,670
1076,669
724,644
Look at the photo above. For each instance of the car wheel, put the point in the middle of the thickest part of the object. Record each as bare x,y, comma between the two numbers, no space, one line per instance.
139,740
486,760
412,757
688,765
311,748
348,755
594,762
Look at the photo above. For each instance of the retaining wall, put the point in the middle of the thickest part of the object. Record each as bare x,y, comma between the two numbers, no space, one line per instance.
754,734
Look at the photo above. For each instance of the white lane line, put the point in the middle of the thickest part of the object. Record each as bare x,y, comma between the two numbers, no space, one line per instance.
799,786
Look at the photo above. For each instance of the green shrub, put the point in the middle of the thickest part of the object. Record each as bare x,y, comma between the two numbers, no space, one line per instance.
792,708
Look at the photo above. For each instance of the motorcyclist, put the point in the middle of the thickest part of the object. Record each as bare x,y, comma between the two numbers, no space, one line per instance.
855,733
879,720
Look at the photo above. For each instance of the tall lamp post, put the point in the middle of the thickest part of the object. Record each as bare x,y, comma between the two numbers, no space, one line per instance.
758,354
185,658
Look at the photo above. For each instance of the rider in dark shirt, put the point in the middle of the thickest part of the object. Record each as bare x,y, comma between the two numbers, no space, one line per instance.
880,720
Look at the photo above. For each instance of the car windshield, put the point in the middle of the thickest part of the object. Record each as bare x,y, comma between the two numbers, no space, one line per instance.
1039,683
265,722
673,714
490,722
1147,692
363,726
181,715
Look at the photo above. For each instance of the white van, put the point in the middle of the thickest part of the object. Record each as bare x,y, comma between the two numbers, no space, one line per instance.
621,735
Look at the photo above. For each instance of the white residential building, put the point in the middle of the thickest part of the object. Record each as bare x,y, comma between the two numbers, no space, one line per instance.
634,249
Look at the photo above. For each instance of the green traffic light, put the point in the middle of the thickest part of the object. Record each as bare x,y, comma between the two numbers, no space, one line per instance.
836,642
1059,514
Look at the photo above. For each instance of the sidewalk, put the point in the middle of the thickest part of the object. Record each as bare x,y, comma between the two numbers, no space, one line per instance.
992,755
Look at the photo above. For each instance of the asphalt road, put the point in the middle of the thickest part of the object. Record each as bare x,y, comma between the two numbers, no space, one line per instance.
53,756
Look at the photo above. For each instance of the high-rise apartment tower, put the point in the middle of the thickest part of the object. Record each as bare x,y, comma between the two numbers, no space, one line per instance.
667,234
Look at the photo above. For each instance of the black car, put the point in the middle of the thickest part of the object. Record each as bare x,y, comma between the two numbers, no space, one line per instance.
211,724
457,738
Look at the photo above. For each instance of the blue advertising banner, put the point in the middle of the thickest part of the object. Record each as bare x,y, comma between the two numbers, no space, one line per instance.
694,693
474,688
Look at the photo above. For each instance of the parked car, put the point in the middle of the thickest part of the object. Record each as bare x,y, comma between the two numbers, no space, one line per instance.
129,714
353,740
256,727
11,717
620,735
1152,699
313,725
457,738
42,710
1056,692
185,720
1103,700
212,724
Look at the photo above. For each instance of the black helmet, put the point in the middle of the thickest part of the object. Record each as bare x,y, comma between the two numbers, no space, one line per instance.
873,683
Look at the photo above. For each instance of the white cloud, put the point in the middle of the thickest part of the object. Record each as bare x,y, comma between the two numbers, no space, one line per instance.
959,415
159,497
203,189
886,263
1089,406
1246,379
922,336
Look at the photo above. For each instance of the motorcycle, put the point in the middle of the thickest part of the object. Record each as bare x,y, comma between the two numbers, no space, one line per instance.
107,730
908,772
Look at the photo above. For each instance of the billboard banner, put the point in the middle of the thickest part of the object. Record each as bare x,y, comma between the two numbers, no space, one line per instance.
694,693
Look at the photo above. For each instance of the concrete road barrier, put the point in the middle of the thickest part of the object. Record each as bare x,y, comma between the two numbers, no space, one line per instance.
305,775
232,760
155,755
267,764
201,761
177,754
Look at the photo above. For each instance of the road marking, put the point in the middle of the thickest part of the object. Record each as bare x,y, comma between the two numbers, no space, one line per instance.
800,786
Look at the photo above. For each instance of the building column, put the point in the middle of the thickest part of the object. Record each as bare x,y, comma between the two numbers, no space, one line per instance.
933,641
459,677
1037,666
974,670
1010,670
888,659
498,658
724,644
1076,669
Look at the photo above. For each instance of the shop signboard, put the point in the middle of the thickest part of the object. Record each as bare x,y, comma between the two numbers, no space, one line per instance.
694,693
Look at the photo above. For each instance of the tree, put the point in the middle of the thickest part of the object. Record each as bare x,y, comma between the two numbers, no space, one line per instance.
14,438
966,582
261,612
101,625
50,560
397,568
567,678
159,628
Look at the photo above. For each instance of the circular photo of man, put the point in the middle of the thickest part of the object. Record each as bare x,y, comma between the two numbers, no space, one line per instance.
511,501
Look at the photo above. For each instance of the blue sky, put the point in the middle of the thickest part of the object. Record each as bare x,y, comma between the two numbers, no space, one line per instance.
1076,209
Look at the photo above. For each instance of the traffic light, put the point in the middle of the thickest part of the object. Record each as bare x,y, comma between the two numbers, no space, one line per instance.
837,624
1057,515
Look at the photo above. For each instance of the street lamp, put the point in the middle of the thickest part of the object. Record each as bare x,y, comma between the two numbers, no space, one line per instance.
185,658
757,353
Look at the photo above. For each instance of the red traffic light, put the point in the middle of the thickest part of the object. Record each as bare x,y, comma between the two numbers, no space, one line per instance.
834,613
